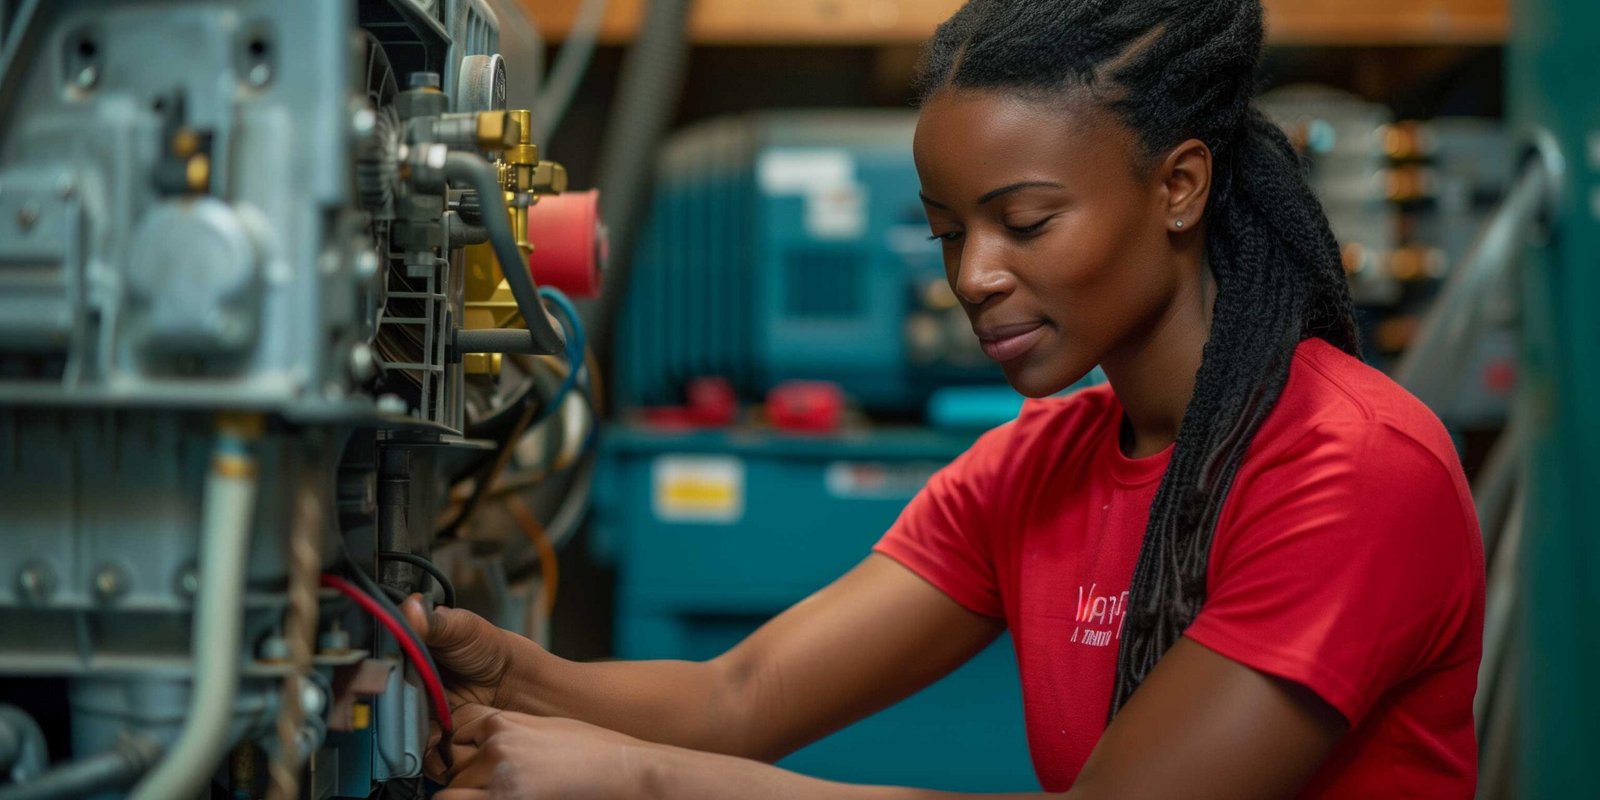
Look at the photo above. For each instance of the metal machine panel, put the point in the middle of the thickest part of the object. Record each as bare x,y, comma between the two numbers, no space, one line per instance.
1552,60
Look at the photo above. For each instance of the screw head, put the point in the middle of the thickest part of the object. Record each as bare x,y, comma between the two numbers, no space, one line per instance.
110,583
259,75
28,216
363,122
86,78
363,363
188,581
36,582
391,404
335,639
312,699
366,264
273,648
66,187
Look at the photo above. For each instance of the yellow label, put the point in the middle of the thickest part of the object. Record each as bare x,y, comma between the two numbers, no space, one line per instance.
698,489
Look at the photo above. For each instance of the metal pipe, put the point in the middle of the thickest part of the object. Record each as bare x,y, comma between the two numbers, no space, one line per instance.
494,340
567,73
542,338
647,94
230,496
1499,615
113,770
1432,365
23,752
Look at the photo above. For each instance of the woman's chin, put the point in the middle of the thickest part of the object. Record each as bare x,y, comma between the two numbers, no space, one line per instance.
1040,380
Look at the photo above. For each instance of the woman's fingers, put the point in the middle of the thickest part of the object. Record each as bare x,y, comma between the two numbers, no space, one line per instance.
481,722
462,794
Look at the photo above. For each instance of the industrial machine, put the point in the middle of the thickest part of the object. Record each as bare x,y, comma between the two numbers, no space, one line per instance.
792,246
269,333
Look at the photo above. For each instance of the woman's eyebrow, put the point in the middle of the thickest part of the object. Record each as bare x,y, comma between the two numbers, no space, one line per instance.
932,202
1004,190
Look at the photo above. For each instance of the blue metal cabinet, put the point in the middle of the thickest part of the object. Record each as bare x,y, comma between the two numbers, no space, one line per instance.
713,533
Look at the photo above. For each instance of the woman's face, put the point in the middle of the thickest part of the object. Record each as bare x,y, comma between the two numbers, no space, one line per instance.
1055,242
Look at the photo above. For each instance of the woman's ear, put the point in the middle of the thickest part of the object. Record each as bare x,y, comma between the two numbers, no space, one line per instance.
1186,176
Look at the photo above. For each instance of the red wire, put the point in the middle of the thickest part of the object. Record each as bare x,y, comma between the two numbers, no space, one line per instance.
430,679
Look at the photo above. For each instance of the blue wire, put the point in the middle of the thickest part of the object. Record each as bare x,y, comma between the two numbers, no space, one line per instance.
576,346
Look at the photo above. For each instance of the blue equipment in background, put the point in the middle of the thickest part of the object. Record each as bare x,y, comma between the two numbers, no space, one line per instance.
792,246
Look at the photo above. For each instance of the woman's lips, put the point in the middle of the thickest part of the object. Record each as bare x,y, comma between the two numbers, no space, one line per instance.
1011,341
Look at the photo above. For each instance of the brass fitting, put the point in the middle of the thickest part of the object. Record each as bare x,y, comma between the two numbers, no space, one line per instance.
549,178
497,131
524,153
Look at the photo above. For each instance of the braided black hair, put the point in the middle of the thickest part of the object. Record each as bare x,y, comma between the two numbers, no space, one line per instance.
1172,70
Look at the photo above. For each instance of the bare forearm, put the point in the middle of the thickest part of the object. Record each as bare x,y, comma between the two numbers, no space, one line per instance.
681,703
676,774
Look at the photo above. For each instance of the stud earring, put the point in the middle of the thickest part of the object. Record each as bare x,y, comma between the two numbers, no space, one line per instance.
1178,224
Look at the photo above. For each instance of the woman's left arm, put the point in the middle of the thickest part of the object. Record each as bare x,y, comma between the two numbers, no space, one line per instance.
1201,726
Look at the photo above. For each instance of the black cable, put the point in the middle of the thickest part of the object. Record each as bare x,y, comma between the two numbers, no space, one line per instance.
426,566
381,596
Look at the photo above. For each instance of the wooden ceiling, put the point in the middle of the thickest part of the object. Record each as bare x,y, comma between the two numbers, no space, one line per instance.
902,22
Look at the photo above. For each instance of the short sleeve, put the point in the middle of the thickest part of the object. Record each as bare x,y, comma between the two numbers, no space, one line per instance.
1347,568
944,534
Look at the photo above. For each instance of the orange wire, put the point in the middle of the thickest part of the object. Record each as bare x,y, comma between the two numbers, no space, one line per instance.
549,569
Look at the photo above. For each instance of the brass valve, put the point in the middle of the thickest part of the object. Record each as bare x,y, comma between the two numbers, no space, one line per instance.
523,177
549,178
496,131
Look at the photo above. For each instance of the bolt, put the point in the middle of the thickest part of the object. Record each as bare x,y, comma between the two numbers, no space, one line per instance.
259,75
273,648
391,404
312,700
188,582
28,215
335,639
36,582
363,364
366,264
66,187
363,122
86,77
110,583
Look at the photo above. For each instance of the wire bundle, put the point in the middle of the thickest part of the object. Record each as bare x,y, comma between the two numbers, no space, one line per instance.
375,603
575,348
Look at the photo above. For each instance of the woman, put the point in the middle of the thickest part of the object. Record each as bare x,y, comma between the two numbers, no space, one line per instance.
1247,568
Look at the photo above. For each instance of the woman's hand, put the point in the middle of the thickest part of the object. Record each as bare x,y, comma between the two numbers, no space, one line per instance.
475,657
504,755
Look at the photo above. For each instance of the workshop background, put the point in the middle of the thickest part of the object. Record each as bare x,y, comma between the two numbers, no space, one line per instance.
270,359
789,366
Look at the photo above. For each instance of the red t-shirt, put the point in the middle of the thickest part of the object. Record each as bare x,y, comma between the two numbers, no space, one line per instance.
1347,559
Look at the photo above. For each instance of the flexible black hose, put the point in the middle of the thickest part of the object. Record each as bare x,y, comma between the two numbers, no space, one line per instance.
647,95
493,340
120,767
480,176
426,566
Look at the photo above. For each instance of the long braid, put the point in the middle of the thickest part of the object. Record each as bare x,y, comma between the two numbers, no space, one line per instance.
1174,70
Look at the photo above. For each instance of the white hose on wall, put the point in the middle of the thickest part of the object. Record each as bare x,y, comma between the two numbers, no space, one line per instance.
229,508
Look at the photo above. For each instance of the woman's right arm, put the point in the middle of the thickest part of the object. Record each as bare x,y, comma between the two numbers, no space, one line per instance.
871,638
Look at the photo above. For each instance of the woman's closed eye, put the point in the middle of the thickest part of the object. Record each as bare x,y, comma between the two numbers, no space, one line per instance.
1022,228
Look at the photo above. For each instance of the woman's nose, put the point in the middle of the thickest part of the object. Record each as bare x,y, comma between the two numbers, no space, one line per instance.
981,276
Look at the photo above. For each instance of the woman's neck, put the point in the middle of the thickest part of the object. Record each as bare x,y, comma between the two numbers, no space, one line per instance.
1154,374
